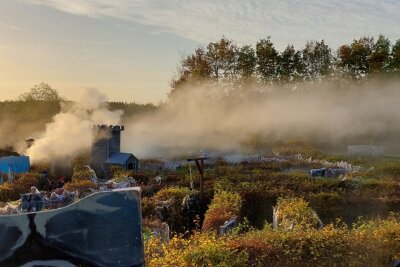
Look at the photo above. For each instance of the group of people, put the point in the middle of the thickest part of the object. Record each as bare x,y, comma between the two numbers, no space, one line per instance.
37,201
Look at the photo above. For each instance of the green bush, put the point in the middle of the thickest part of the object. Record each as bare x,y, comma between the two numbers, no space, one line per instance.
389,167
325,200
81,172
174,195
223,207
368,243
294,213
290,148
83,186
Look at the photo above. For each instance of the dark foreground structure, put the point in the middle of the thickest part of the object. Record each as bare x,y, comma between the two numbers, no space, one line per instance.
103,229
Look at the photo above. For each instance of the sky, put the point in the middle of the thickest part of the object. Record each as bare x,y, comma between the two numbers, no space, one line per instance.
130,49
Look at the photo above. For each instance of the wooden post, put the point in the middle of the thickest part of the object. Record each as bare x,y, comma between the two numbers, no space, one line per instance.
200,166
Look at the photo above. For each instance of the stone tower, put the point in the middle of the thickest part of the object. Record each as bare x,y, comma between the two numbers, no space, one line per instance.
106,141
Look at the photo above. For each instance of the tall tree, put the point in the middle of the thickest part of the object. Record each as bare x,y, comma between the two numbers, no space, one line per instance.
246,62
317,60
345,61
361,51
194,68
41,92
395,63
379,61
290,65
222,58
267,60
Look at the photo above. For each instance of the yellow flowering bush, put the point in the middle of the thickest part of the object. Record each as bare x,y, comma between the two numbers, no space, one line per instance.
371,243
81,172
294,213
169,254
200,250
82,186
7,192
366,243
12,190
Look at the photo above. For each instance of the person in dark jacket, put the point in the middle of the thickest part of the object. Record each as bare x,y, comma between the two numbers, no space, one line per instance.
60,182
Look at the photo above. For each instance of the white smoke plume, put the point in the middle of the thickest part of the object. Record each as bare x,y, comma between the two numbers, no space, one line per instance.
200,118
70,132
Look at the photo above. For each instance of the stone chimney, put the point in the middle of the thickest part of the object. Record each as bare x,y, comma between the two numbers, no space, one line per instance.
106,141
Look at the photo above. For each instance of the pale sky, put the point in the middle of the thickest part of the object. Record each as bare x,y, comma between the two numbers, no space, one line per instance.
129,49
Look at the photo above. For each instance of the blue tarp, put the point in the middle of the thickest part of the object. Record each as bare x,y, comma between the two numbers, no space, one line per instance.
318,172
14,164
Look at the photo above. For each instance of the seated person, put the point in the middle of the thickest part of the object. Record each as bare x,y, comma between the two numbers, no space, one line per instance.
32,201
61,197
60,183
59,191
58,195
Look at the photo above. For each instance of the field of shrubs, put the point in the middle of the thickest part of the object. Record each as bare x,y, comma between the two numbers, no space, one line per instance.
359,212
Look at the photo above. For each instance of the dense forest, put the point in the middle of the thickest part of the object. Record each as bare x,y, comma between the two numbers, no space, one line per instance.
224,61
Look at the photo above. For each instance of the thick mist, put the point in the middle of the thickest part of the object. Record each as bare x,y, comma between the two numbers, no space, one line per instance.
204,117
217,119
70,131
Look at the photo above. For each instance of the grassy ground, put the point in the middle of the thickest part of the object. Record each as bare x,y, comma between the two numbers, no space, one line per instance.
359,212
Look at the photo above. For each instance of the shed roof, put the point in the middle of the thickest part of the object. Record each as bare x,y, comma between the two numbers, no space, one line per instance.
119,158
7,153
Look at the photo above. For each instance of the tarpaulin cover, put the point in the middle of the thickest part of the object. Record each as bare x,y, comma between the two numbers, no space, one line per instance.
15,164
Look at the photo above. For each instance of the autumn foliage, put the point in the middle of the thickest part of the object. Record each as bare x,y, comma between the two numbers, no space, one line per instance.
224,206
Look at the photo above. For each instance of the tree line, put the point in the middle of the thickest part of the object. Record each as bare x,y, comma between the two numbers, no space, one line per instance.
43,95
27,115
36,107
224,61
